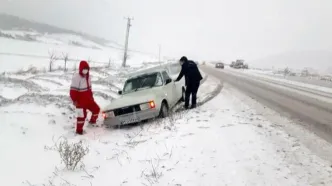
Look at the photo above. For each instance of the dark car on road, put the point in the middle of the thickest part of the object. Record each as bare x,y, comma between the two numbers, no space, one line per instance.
220,65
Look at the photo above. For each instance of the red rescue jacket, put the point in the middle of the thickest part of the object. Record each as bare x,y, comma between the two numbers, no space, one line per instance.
80,88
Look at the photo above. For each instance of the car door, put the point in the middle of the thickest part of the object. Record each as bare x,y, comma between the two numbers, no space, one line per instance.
170,88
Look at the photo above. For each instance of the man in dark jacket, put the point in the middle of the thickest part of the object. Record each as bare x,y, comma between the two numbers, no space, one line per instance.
192,77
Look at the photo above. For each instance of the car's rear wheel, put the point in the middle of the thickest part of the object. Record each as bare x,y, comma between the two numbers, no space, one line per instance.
164,111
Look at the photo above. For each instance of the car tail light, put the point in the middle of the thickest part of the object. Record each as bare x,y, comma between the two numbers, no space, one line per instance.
108,114
152,104
104,115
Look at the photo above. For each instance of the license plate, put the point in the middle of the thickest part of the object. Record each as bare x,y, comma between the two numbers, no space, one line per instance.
144,106
130,119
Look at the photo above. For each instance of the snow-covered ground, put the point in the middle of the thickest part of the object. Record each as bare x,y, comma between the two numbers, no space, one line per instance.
222,142
58,39
18,54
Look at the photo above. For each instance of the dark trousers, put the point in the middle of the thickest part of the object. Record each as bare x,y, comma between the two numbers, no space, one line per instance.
191,89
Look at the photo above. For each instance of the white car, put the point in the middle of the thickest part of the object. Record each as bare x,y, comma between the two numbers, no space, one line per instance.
144,96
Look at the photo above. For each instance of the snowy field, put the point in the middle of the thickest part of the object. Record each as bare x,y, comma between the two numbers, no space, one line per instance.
222,142
18,55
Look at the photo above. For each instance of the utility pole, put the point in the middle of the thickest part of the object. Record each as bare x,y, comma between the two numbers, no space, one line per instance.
126,41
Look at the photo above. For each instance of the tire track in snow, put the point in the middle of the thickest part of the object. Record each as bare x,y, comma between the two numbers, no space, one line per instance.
46,99
48,80
40,99
29,85
207,98
212,95
66,76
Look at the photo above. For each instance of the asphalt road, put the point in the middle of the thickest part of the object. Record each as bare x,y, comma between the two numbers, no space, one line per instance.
307,110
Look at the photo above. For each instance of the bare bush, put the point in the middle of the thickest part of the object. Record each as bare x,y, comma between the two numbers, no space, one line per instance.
32,70
20,72
71,154
52,59
153,175
65,58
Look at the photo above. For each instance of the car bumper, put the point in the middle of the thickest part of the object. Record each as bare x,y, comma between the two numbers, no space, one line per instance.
134,117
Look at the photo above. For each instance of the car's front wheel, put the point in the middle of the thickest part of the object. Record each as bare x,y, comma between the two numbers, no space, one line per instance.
163,110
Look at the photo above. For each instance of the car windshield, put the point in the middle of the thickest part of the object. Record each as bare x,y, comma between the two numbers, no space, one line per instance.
142,82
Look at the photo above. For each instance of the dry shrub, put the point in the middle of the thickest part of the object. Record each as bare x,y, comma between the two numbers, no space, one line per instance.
71,154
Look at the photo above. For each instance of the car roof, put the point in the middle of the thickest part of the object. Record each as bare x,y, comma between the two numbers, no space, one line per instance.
146,73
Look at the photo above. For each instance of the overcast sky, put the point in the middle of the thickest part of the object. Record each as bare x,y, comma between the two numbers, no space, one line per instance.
200,29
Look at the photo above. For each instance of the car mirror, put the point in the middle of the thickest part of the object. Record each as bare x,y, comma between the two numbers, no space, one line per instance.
168,81
120,92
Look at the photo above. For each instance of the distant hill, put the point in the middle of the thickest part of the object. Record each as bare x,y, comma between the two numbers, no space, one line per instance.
9,22
315,60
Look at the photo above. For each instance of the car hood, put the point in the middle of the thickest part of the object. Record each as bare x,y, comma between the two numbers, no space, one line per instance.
132,98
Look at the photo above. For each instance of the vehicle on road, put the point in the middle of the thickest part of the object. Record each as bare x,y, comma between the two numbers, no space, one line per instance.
239,64
144,96
220,65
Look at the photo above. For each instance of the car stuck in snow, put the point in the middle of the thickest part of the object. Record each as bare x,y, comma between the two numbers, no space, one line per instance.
144,96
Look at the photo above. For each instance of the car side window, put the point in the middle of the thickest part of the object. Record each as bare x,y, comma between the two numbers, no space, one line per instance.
159,80
128,87
165,76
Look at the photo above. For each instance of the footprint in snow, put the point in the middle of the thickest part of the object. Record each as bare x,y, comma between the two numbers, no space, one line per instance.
203,127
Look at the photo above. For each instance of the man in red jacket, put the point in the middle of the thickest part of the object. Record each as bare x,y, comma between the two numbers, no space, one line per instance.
81,95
